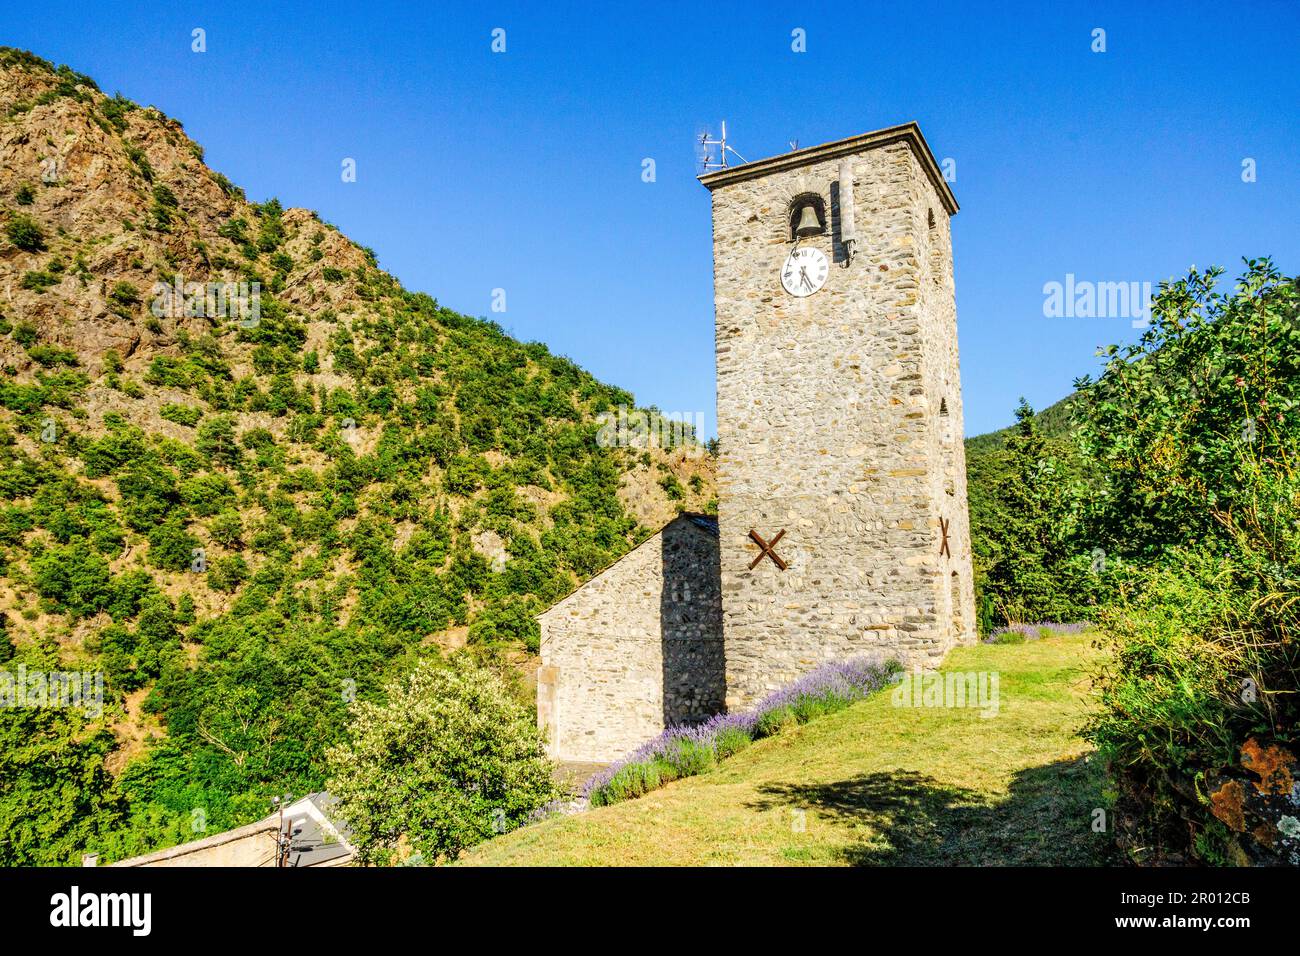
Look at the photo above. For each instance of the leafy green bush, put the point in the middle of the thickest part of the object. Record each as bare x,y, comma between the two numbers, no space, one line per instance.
227,529
74,577
228,573
52,355
123,295
1199,428
449,759
171,546
1168,421
25,334
507,619
181,414
24,233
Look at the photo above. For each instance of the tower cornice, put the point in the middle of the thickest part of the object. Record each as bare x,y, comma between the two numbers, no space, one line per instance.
909,133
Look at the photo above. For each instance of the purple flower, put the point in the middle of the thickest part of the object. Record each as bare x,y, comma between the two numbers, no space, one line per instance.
1033,632
832,685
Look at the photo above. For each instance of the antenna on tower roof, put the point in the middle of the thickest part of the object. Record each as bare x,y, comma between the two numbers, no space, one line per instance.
704,145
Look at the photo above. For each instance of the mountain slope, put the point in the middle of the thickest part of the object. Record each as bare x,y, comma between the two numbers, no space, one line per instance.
250,501
1053,423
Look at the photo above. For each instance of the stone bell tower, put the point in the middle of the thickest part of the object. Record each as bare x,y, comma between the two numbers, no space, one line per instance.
841,476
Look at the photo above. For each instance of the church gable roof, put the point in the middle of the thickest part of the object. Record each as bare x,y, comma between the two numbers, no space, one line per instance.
708,522
705,523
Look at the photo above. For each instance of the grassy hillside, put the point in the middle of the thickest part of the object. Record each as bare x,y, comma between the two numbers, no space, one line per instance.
243,518
877,784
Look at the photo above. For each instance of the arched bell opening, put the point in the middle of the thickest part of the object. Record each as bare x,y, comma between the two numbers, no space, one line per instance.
806,216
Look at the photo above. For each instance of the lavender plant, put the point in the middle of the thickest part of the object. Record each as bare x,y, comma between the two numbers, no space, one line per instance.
685,750
1019,633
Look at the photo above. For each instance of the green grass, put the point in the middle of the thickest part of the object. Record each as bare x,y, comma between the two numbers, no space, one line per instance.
876,784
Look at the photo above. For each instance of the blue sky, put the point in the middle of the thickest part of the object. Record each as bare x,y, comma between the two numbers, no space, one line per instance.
522,170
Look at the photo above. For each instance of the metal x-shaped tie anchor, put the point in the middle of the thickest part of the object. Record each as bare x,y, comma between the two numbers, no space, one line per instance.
767,551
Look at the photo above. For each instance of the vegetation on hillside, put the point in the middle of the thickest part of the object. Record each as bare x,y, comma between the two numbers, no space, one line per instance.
249,518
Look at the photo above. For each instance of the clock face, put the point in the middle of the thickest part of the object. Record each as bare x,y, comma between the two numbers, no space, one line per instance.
804,271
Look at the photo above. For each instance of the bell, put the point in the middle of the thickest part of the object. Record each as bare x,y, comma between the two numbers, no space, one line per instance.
808,225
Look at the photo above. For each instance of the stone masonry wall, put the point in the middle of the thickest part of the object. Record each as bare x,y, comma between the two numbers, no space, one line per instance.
829,427
955,583
634,649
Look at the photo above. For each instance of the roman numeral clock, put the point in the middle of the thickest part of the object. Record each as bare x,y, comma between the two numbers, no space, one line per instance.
805,271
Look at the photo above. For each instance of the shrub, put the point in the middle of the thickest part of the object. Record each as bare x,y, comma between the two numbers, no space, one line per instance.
227,529
672,487
115,111
24,233
181,414
25,334
141,162
228,573
164,196
450,759
1197,427
1214,374
1203,660
206,493
124,294
507,619
74,577
171,546
38,281
51,355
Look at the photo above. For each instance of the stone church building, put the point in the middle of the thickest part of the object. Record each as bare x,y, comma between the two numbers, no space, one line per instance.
637,648
842,525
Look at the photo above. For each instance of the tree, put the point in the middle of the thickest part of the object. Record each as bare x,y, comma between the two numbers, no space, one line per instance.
171,546
54,789
1198,429
1213,376
449,760
1034,567
74,577
216,440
